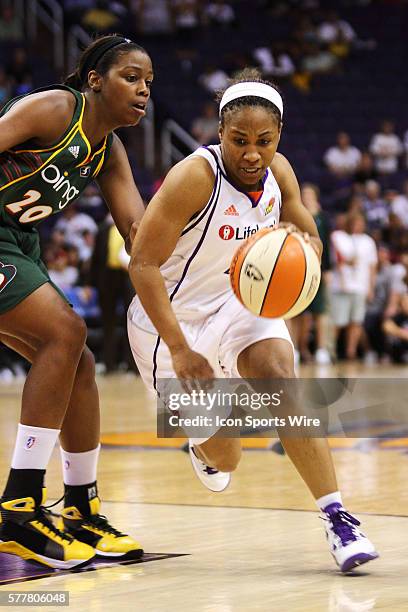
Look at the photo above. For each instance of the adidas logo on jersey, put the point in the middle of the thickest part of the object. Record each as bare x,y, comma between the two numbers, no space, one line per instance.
74,151
231,210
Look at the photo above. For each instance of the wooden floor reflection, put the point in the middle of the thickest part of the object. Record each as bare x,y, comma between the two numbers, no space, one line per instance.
257,546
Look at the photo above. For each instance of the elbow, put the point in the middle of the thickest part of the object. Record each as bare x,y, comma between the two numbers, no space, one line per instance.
140,271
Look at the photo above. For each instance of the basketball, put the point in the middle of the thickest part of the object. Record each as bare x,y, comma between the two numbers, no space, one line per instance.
275,273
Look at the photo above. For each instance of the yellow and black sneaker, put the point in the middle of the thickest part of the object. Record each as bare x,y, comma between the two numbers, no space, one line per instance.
27,531
95,530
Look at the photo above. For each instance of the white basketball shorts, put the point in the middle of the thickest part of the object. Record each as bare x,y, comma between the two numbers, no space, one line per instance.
220,338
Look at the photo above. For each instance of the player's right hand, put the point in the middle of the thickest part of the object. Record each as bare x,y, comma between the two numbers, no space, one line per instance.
192,369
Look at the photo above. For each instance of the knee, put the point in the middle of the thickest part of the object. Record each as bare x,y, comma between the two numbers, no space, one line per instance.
281,369
86,367
72,332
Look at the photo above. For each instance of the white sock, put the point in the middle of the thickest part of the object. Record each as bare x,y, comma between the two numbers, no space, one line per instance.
33,447
80,468
331,498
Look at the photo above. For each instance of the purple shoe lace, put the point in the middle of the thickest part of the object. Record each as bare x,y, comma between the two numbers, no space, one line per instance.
343,525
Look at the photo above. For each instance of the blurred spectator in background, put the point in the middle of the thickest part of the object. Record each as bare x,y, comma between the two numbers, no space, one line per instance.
405,144
205,127
396,330
11,28
317,60
393,234
153,17
274,61
399,204
187,19
386,147
374,206
340,36
78,231
353,280
304,31
12,366
316,312
333,29
400,286
61,272
101,18
74,9
355,205
342,159
19,66
220,12
373,324
365,170
73,223
213,78
336,33
93,203
111,279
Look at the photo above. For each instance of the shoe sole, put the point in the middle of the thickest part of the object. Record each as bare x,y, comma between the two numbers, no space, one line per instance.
197,473
357,560
131,554
14,548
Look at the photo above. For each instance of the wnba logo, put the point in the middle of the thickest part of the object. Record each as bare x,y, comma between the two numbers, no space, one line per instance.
30,442
226,232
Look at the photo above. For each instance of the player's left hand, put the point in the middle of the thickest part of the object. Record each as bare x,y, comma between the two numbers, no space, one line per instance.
312,240
315,243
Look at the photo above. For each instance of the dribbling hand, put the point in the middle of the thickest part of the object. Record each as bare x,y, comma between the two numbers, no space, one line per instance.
192,369
314,242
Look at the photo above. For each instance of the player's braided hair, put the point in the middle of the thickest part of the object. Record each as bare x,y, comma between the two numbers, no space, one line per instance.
100,55
243,76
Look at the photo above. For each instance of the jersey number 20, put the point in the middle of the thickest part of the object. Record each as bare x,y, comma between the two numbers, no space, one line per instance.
34,213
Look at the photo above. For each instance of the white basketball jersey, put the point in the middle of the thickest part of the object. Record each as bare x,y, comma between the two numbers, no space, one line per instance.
197,273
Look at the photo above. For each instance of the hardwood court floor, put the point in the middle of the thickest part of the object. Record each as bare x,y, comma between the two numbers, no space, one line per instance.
257,546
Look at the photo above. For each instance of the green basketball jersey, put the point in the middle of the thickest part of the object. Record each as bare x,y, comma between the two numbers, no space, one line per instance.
36,183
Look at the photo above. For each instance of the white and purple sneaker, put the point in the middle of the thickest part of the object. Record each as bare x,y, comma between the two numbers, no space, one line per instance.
210,477
348,545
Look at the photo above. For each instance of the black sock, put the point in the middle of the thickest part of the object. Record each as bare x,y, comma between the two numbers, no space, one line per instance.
25,483
80,496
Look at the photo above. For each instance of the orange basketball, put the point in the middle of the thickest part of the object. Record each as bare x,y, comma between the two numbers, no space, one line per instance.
275,273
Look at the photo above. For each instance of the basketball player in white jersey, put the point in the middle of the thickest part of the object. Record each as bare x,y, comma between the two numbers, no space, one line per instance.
185,321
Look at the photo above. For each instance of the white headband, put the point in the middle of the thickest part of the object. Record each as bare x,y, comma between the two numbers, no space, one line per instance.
260,90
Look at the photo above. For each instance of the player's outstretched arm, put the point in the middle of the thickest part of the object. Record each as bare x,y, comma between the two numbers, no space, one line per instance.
293,210
120,192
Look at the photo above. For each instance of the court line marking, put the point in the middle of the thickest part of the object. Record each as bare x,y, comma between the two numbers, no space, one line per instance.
146,503
52,574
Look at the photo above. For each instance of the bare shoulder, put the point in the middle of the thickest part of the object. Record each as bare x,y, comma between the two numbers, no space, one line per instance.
195,167
47,114
192,179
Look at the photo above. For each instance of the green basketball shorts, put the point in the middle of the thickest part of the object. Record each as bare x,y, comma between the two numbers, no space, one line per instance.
21,269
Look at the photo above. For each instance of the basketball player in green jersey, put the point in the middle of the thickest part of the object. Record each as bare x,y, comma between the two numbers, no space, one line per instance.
53,142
